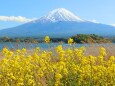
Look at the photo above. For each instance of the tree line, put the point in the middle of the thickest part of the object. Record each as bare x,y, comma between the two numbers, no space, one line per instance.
79,38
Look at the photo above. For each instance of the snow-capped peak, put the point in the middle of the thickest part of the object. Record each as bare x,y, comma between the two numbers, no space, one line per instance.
60,14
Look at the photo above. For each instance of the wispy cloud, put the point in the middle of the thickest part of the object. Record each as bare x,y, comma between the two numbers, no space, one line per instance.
113,25
94,21
16,18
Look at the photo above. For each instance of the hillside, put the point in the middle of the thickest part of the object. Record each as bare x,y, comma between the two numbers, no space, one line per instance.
90,38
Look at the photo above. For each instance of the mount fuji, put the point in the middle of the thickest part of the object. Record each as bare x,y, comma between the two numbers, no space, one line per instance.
60,14
58,23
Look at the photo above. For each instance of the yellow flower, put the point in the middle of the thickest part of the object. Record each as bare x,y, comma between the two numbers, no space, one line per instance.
65,71
70,41
59,48
58,76
30,82
24,51
112,58
18,51
37,49
103,51
47,39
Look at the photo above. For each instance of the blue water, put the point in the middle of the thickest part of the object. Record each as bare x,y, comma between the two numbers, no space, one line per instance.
14,45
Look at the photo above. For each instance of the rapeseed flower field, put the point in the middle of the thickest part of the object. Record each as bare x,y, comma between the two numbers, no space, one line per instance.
60,67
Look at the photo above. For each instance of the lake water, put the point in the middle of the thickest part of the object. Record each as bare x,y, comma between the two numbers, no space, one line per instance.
14,45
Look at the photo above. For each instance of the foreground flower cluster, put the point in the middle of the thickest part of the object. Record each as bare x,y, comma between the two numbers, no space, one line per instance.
60,67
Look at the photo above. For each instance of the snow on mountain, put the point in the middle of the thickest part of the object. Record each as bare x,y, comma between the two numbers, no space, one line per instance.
58,23
60,14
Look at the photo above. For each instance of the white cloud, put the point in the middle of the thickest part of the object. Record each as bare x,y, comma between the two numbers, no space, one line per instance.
95,21
16,18
113,25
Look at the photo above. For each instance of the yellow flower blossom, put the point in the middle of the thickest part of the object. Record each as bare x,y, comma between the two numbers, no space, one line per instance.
58,67
70,41
47,39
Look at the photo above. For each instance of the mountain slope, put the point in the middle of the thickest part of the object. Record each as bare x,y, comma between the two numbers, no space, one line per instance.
60,14
58,23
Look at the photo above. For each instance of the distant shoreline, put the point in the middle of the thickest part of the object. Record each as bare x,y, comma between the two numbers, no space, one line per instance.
79,38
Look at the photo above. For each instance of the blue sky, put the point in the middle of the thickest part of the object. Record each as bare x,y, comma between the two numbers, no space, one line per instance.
16,12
